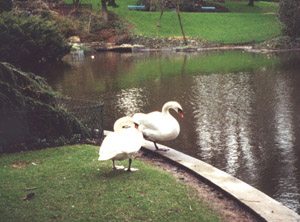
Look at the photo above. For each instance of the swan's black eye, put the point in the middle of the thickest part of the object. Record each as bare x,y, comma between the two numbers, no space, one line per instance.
180,110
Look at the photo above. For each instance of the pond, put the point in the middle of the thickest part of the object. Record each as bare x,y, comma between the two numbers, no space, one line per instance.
242,109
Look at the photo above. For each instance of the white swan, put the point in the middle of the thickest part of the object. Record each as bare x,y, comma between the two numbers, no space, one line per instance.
160,126
123,143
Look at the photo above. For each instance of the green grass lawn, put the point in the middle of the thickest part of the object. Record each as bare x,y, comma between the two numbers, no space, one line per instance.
243,24
69,184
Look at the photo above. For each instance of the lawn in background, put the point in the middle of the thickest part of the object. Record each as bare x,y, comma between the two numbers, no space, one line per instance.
243,24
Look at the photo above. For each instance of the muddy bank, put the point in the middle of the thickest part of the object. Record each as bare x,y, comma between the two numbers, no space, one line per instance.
230,209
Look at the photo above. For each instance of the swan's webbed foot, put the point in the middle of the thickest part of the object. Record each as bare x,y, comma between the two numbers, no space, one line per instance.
129,169
160,149
117,167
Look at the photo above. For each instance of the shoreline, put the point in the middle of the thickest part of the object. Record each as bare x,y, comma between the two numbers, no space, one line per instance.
136,48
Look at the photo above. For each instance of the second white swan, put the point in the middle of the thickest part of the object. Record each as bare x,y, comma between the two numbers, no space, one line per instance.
160,126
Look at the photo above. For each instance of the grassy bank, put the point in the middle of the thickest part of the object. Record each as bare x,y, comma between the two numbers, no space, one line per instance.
243,24
69,184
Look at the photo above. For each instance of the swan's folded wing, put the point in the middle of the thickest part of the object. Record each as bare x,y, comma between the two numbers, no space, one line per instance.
121,144
150,121
157,126
110,146
132,141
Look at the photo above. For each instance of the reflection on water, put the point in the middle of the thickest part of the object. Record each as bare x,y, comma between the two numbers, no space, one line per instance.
223,117
241,109
130,101
284,141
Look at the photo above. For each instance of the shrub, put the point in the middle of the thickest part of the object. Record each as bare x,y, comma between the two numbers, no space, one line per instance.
67,26
280,42
5,5
29,116
188,7
29,38
289,15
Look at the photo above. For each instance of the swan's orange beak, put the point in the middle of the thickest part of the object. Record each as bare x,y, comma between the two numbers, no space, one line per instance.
180,113
136,126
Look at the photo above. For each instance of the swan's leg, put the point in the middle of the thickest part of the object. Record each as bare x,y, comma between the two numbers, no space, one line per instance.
117,167
159,149
129,167
130,160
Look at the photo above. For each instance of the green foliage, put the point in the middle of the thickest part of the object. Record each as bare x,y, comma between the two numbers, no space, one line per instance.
67,26
5,5
90,25
69,184
29,117
29,38
289,15
187,7
280,42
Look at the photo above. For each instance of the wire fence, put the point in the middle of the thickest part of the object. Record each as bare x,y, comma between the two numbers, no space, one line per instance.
43,125
89,113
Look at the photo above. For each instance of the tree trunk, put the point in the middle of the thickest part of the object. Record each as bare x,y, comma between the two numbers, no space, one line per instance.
179,18
161,12
150,9
104,10
251,3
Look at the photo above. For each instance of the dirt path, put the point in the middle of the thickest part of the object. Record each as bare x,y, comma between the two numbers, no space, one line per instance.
231,210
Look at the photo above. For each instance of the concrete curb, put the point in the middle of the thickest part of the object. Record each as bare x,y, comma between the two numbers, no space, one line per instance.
259,203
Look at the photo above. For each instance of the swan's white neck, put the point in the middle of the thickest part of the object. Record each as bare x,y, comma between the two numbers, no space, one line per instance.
168,106
165,109
123,122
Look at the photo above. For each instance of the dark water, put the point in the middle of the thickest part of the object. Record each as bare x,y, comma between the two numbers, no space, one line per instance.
242,110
